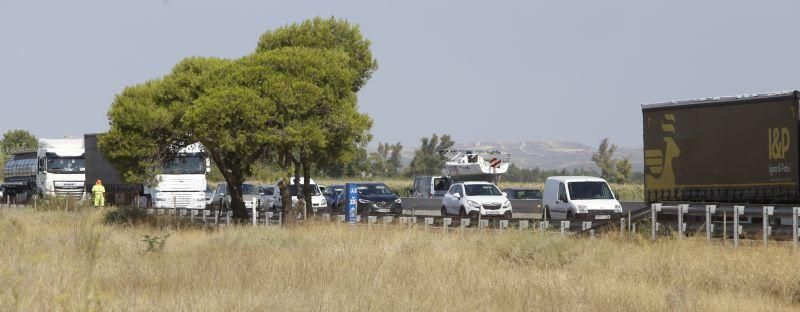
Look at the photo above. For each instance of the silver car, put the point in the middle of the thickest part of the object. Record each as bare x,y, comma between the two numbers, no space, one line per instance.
222,197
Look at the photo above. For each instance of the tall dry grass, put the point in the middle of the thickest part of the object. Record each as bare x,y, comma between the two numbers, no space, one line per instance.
57,260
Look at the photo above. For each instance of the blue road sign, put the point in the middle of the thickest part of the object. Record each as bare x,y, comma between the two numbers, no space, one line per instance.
352,202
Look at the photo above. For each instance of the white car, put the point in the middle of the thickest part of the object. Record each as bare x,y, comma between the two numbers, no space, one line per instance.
318,201
575,197
470,198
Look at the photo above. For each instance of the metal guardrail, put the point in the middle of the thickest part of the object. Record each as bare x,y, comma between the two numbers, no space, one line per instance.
770,217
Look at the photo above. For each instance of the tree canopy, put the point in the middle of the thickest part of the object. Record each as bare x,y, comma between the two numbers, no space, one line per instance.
17,141
611,169
427,159
292,102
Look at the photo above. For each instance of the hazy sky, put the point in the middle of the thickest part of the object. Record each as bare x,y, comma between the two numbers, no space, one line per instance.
478,70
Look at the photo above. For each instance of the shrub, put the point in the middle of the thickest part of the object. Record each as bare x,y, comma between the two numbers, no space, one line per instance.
126,215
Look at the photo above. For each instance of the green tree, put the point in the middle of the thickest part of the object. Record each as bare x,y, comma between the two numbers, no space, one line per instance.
386,161
427,159
604,159
292,103
624,170
15,141
611,169
328,62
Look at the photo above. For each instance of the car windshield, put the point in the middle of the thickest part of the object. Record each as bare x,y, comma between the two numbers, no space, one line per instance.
374,189
589,190
528,194
57,164
481,190
314,189
249,189
185,164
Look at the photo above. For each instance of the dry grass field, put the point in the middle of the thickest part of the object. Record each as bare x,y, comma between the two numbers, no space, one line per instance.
55,260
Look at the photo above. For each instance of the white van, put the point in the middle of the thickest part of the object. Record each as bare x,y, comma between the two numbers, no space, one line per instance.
318,202
587,198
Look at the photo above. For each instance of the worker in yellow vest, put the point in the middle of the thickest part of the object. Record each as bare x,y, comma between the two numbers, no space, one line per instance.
99,193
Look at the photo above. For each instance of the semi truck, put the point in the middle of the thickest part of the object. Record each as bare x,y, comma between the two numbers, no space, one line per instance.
180,183
716,150
55,169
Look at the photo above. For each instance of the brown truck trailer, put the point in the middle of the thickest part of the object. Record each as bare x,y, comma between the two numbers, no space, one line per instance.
741,149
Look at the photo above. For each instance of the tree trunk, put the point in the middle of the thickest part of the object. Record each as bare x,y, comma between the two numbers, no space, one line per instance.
306,182
237,200
234,180
300,203
286,201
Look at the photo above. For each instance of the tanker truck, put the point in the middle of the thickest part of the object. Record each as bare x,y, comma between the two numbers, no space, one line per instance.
56,168
180,183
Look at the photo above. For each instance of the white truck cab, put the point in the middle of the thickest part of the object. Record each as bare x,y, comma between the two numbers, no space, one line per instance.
182,181
61,167
577,197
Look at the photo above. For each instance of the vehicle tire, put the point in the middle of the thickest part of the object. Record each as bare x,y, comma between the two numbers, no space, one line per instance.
462,213
444,211
471,214
507,215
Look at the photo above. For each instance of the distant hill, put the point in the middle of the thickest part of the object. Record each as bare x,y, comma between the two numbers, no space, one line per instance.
545,155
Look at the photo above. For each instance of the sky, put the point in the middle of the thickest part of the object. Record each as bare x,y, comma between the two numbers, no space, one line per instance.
500,71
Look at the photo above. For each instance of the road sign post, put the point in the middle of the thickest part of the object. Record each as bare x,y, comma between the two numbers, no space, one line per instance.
352,203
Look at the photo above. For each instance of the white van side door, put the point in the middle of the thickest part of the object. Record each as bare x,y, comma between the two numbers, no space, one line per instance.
562,201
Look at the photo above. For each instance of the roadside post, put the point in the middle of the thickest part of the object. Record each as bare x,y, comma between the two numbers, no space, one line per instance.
683,208
352,202
654,209
766,228
795,212
737,210
255,212
710,209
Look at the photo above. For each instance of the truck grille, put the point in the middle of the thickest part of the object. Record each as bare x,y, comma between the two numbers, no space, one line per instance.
73,192
182,200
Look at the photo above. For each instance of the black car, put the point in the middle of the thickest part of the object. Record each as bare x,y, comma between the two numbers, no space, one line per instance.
517,193
374,198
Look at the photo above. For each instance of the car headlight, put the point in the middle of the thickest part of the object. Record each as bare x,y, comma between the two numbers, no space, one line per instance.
507,204
397,201
617,208
200,199
582,209
363,201
473,203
